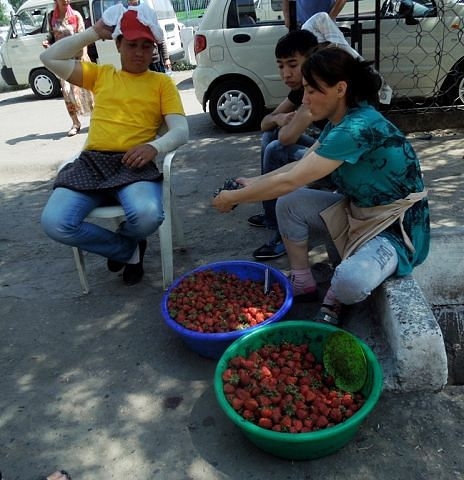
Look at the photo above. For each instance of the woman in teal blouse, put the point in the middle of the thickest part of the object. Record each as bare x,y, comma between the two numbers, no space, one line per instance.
378,217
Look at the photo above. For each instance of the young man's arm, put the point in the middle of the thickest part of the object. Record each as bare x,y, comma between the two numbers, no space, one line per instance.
286,12
337,8
292,131
279,117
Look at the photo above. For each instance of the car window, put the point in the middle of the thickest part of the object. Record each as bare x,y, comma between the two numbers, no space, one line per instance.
268,10
389,9
247,13
29,22
405,8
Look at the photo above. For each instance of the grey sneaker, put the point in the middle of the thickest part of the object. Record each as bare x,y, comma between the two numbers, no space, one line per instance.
274,249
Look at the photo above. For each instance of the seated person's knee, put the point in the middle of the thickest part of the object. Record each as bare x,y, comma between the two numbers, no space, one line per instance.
148,219
351,283
54,226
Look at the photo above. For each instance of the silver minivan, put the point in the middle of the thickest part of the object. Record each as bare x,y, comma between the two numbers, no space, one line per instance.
29,28
421,53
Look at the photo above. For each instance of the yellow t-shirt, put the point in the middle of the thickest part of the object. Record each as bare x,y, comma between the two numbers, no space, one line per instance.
129,108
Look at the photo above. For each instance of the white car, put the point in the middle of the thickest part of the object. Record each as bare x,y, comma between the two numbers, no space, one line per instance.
20,52
421,54
3,34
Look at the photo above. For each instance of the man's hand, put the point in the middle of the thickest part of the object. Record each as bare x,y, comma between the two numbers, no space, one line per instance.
138,156
300,121
104,31
282,119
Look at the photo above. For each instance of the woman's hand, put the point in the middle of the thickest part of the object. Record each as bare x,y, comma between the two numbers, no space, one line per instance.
223,201
138,156
104,31
245,181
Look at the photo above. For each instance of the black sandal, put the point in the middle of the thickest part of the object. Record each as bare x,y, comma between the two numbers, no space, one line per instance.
330,314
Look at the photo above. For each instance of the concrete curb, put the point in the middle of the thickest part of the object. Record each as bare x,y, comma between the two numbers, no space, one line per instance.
414,336
422,358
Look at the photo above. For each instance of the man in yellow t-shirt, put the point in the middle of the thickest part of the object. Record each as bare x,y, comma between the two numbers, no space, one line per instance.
118,160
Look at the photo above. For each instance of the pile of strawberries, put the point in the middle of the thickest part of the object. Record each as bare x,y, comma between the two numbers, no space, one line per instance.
283,388
217,302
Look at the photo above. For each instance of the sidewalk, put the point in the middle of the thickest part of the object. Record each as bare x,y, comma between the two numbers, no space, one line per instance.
99,386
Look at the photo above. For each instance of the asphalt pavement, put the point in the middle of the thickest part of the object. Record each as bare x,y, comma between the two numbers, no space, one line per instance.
98,385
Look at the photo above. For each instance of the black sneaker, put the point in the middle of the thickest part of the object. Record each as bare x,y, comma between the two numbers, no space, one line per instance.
257,220
114,266
273,249
133,272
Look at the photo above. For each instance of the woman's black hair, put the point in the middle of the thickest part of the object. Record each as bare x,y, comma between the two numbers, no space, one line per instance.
331,64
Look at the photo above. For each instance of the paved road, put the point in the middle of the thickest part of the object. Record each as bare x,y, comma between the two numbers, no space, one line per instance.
98,385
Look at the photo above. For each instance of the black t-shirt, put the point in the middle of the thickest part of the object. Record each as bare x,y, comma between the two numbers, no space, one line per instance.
296,96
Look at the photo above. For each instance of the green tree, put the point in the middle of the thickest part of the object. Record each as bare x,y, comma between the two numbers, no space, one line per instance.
16,4
4,19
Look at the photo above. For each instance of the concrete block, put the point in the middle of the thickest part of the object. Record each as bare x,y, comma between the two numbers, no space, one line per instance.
415,338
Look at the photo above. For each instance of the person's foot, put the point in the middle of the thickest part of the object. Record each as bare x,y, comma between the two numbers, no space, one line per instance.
133,272
330,313
58,475
303,293
307,295
75,129
274,249
114,265
257,220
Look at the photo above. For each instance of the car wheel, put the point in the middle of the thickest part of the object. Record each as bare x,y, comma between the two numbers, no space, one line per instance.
236,106
453,87
44,84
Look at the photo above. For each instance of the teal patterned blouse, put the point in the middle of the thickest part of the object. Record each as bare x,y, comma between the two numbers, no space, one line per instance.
379,166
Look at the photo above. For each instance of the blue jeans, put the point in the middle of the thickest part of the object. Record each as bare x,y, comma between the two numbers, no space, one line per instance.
63,218
273,156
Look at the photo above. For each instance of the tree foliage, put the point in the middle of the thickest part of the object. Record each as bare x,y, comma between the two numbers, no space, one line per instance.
4,17
16,4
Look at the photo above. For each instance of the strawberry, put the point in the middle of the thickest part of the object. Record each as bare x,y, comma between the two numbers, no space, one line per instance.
265,422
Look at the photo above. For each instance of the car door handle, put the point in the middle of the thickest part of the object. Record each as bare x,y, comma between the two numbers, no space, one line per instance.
241,38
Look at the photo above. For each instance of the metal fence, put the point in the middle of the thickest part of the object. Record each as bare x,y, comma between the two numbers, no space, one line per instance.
417,47
187,5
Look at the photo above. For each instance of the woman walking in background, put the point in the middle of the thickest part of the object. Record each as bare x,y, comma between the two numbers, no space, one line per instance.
64,22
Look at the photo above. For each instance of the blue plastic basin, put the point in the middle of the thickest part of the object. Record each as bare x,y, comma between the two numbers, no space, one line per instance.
213,345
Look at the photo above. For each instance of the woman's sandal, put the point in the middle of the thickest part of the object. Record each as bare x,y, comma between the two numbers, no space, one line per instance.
74,130
57,475
330,314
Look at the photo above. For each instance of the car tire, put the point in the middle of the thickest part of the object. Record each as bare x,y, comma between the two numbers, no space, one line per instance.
453,87
44,84
236,106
